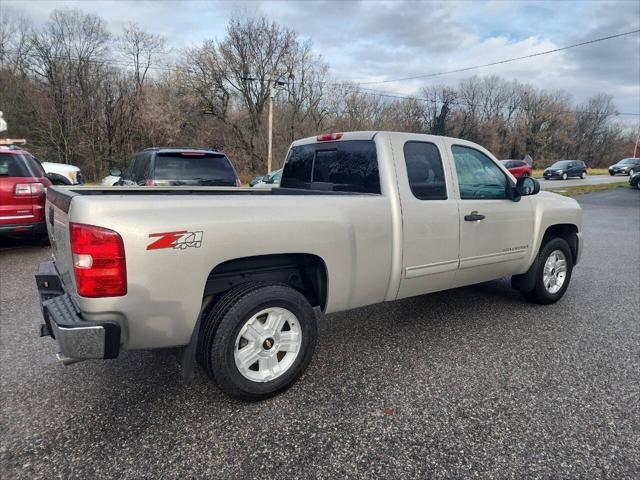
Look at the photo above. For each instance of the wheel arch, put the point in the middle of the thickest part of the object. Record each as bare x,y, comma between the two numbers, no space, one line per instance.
566,231
58,179
569,232
305,272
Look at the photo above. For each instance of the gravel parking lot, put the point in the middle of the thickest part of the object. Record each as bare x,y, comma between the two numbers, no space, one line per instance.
474,382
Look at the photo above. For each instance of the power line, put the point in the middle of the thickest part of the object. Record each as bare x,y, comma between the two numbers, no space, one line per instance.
500,62
369,91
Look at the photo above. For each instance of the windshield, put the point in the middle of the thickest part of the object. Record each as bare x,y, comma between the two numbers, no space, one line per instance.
561,164
276,176
200,168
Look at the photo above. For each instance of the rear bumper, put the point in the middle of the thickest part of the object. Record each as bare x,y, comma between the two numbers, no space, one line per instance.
77,339
23,229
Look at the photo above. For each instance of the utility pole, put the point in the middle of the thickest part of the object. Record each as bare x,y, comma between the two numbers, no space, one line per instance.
272,93
635,150
271,85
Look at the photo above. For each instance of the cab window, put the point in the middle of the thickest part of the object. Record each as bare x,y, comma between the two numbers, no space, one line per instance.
478,176
425,172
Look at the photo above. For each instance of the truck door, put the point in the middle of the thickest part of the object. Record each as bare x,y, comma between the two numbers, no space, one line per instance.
495,232
430,228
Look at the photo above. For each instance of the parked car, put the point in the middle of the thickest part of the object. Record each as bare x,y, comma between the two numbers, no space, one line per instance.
627,166
23,182
271,179
112,179
63,174
634,180
359,218
565,169
518,168
255,180
177,166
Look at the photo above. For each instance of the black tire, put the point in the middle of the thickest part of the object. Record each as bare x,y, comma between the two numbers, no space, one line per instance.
564,176
539,294
631,172
222,322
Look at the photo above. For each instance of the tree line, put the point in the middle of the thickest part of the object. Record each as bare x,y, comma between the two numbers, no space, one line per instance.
84,96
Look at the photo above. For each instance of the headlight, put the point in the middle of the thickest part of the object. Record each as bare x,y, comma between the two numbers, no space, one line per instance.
560,171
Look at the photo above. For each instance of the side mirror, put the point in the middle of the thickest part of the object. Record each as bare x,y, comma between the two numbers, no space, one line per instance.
267,179
525,186
115,172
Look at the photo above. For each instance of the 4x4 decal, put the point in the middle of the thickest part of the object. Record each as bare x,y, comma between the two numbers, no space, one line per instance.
181,240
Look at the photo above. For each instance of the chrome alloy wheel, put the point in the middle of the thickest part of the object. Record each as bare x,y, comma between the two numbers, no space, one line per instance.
555,272
268,344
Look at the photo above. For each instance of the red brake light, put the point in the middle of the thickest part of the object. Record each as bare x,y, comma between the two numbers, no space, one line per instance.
98,261
29,189
238,182
193,154
325,137
148,183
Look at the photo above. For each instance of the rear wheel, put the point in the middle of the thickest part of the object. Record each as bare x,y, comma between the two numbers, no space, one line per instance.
554,266
258,340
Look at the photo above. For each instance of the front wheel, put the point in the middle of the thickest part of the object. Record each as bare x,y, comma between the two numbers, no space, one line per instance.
583,175
564,176
258,339
554,266
631,172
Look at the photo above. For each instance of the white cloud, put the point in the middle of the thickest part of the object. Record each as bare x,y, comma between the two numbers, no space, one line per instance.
380,40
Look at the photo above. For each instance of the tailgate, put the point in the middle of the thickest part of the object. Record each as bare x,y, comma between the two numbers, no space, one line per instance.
57,215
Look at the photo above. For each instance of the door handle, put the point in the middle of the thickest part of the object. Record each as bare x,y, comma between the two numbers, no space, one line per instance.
474,217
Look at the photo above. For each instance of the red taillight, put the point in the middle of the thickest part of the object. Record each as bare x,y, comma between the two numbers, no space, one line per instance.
29,189
148,183
326,137
98,261
238,182
193,154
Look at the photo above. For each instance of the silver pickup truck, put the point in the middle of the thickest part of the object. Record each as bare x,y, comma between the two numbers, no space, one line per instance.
232,275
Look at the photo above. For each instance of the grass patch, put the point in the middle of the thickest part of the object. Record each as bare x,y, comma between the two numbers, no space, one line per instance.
537,173
581,189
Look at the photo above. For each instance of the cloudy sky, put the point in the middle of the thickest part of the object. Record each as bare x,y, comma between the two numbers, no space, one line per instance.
371,41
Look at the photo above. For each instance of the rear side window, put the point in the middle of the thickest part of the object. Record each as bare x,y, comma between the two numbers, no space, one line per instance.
350,166
201,166
425,172
19,165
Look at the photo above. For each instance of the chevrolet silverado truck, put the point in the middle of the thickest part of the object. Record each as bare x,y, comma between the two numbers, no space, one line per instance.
232,275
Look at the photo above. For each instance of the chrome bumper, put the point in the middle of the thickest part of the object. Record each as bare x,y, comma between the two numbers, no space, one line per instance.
77,339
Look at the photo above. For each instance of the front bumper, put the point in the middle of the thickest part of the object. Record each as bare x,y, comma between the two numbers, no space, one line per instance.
549,175
23,229
78,339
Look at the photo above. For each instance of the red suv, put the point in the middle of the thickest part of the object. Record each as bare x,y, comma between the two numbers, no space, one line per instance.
22,194
518,168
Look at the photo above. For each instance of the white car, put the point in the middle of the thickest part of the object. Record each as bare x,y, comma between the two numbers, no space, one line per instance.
111,179
270,179
63,174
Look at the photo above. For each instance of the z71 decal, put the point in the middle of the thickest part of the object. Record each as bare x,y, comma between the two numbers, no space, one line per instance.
180,240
